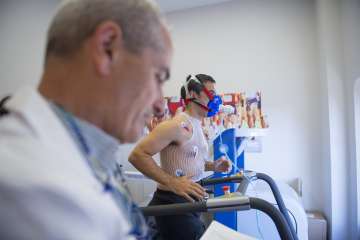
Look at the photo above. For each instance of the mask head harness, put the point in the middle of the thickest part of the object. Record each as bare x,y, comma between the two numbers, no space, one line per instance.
214,102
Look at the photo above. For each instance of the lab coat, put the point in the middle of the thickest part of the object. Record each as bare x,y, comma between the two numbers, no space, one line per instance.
47,189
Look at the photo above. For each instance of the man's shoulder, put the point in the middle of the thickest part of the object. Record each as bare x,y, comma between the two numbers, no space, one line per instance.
23,153
12,125
20,151
178,128
16,134
177,124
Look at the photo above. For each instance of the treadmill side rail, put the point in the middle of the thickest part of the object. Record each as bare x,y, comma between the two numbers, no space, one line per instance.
224,202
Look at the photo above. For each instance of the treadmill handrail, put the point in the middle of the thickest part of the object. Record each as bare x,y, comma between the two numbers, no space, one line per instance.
279,201
255,203
274,213
213,181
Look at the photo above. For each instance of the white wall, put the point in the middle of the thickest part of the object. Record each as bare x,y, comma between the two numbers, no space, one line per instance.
339,36
355,165
176,5
23,26
351,37
271,46
334,121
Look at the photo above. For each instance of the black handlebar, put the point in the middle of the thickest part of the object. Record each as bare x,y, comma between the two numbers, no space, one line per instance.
276,216
273,186
255,203
213,181
279,201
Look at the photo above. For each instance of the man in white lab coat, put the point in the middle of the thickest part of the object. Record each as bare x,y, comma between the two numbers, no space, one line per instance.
105,63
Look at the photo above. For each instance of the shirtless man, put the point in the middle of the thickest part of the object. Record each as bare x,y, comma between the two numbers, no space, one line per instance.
184,157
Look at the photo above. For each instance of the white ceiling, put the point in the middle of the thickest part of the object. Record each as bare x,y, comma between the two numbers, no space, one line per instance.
174,5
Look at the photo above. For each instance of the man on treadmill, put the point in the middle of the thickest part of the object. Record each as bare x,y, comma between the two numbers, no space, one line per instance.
184,157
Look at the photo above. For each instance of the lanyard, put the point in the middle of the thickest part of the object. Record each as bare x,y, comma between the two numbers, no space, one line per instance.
92,162
112,182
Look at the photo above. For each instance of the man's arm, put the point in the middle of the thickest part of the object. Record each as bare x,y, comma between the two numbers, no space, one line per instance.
141,157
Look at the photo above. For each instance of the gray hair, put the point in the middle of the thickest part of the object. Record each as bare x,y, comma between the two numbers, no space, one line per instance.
76,20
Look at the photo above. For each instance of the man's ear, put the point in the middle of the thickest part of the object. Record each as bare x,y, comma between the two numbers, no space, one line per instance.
193,94
106,46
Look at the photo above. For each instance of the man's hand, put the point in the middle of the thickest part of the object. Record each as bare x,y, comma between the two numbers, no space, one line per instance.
186,188
222,165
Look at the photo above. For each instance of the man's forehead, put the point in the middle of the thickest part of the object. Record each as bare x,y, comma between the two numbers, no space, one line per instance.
209,85
161,58
158,60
